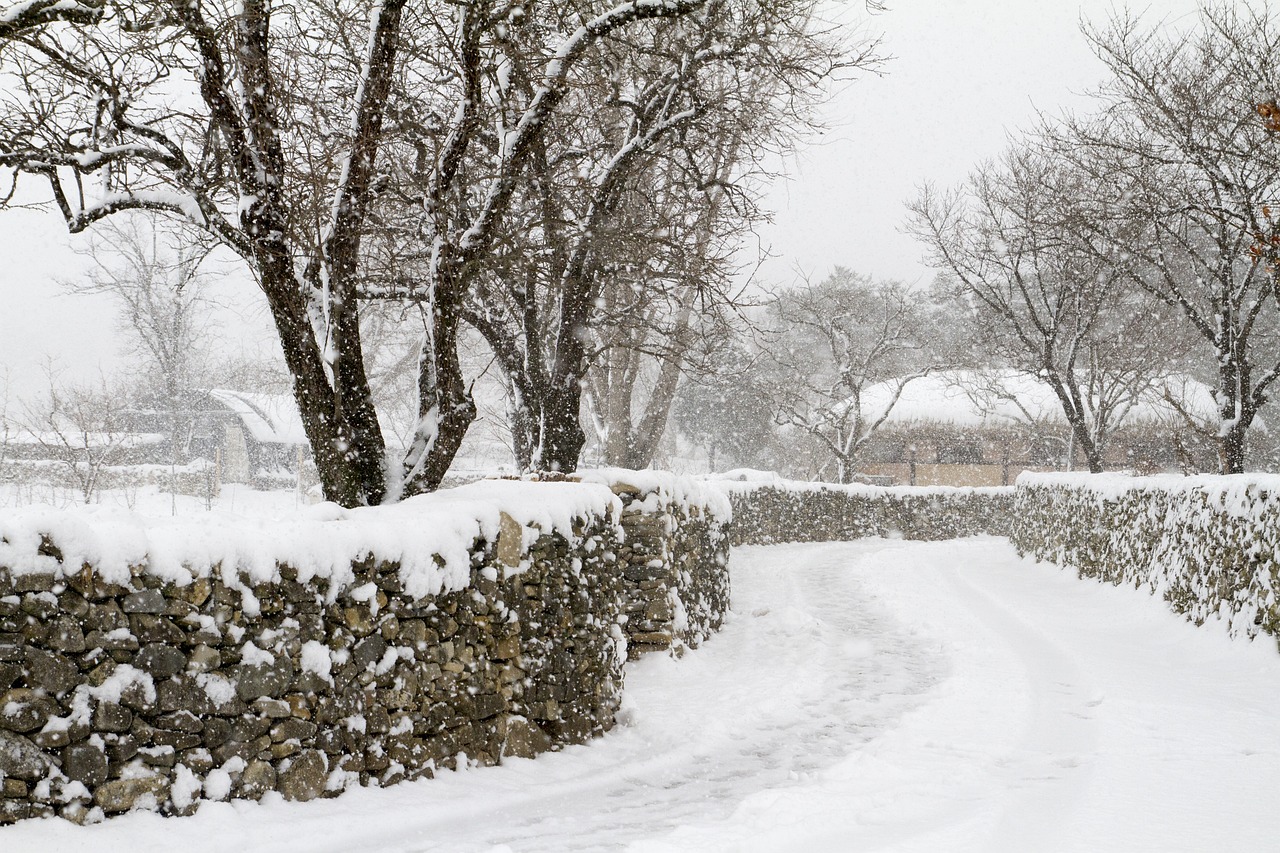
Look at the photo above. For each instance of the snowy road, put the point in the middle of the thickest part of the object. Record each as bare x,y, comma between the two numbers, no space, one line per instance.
875,695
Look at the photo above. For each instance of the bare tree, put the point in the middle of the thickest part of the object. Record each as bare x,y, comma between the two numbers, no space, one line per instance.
265,127
632,230
82,429
726,408
1023,272
1186,179
155,272
834,341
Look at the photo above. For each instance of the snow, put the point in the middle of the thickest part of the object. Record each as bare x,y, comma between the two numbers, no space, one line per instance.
1230,490
316,659
320,541
874,695
741,481
662,486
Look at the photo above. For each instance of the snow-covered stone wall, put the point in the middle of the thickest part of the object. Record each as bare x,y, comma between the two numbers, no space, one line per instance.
768,510
1208,545
677,557
158,663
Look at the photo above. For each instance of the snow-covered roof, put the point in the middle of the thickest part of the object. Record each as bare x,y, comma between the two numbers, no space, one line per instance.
1006,397
269,418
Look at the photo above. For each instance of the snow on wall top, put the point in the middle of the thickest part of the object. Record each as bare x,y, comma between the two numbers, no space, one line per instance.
745,480
664,485
1232,492
1007,397
320,541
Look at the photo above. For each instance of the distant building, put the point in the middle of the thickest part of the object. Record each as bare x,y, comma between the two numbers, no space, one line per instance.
252,436
961,427
247,437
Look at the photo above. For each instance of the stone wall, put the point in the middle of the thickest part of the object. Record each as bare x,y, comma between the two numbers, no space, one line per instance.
167,682
1209,546
677,555
780,511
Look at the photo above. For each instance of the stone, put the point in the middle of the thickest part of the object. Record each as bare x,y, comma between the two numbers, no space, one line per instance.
292,729
40,606
369,651
162,661
11,646
299,706
61,736
507,648
54,672
77,812
111,641
177,740
122,749
84,762
106,616
73,603
66,635
121,795
13,787
197,592
34,582
271,680
180,721
110,717
204,659
182,694
284,749
510,544
248,728
22,759
155,629
12,811
359,620
25,710
216,732
258,778
147,601
200,761
272,708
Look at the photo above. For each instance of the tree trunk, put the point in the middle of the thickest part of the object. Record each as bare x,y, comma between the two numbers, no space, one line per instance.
562,435
329,436
445,407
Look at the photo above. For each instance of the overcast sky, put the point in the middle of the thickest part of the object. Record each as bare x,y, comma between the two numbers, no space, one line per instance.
964,73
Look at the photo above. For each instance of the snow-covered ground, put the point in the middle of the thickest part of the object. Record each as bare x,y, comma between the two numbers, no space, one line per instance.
875,695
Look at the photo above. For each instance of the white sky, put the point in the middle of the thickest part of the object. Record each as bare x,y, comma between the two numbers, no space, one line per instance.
964,73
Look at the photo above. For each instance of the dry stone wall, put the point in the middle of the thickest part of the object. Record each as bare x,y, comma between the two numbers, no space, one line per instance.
1210,546
151,687
676,552
780,511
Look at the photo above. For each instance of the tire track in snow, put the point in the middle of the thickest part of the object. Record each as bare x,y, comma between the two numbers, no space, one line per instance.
803,673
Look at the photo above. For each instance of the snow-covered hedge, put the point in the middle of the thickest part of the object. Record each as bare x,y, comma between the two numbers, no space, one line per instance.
159,662
767,510
1208,545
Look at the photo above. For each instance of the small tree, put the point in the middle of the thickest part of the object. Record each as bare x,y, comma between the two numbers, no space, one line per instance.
833,341
727,408
80,427
154,270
